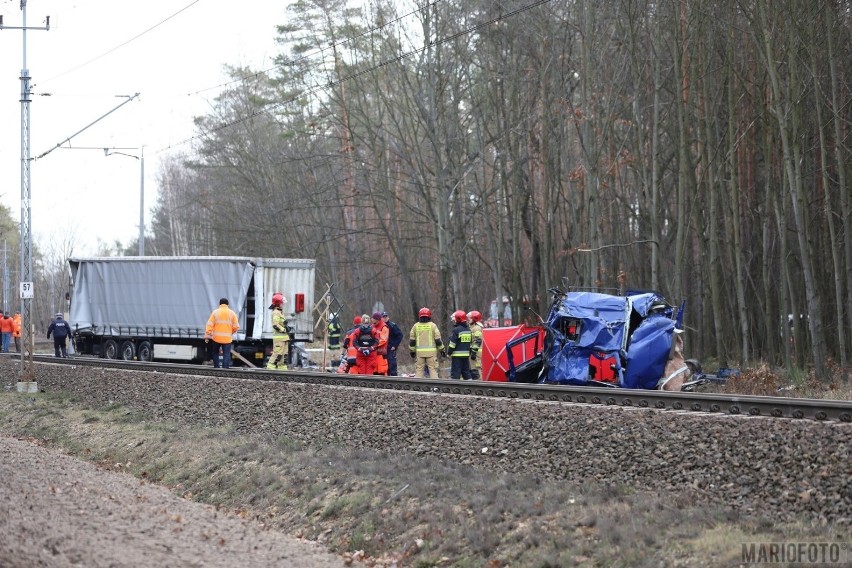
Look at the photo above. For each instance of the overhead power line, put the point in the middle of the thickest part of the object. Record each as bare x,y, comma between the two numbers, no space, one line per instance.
318,88
315,52
134,38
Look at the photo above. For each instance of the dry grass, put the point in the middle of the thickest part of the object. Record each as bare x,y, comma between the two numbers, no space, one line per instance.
395,509
764,380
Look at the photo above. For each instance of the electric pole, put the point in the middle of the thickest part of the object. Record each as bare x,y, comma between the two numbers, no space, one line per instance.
26,284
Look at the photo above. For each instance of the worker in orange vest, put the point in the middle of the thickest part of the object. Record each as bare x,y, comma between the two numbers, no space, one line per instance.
6,327
347,360
365,342
382,333
16,331
221,327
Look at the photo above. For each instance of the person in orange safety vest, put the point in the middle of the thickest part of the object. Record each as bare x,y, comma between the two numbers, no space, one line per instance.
221,326
347,361
6,326
382,333
16,331
365,342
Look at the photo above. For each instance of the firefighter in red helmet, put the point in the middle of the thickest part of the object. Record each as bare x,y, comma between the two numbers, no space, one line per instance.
280,335
424,344
475,319
459,347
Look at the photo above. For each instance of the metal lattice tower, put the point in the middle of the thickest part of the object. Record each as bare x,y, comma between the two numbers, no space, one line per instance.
26,286
26,224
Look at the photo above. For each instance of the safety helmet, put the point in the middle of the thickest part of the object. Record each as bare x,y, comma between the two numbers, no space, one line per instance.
474,316
459,316
277,299
424,313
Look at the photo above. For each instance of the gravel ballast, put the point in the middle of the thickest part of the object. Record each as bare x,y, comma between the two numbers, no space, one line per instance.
783,468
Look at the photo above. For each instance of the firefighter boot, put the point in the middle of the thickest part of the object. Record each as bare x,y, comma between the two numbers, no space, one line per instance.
272,363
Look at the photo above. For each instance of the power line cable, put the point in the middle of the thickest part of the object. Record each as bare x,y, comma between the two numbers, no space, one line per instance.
271,106
316,51
134,38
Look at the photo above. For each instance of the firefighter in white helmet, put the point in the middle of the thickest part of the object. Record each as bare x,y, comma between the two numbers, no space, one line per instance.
280,336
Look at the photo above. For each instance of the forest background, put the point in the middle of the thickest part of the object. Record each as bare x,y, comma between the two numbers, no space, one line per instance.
448,153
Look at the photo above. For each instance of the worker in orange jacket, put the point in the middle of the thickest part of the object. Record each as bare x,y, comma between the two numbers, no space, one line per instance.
6,327
365,342
16,331
382,333
347,360
221,327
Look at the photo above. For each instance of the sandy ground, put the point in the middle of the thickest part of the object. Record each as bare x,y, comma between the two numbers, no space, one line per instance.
58,511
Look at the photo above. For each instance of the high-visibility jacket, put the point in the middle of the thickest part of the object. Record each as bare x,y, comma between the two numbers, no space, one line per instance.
460,341
222,325
7,325
16,321
382,333
351,350
333,334
279,324
425,338
476,343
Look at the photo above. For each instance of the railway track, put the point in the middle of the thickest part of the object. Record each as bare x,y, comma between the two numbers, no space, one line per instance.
722,404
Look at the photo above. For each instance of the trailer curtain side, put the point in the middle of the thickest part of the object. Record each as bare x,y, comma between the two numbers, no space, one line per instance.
174,297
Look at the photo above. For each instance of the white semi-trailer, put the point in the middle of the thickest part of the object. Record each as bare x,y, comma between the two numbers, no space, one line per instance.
156,308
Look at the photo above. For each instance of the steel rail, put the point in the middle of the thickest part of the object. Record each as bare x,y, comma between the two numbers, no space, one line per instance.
722,404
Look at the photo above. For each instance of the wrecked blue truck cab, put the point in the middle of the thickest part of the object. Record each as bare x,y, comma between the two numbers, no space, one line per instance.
628,341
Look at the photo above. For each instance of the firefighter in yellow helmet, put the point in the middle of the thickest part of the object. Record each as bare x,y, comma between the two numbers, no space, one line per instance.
280,336
424,344
475,319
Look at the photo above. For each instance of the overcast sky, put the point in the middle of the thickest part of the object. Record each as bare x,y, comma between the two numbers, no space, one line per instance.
172,52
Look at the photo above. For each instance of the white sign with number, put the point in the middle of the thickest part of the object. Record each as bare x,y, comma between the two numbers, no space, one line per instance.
26,290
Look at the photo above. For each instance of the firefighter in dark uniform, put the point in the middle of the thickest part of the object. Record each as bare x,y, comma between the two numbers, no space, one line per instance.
395,337
459,347
334,330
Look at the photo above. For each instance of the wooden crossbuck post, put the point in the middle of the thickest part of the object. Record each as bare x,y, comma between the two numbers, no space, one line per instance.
321,308
243,359
328,303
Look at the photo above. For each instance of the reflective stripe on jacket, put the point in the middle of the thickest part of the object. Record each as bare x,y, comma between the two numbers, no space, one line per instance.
382,332
425,338
476,332
460,341
222,325
279,324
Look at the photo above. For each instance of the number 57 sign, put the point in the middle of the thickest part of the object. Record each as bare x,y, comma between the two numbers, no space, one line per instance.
26,290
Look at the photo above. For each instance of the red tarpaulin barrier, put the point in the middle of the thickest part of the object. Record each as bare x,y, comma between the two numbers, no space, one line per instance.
495,359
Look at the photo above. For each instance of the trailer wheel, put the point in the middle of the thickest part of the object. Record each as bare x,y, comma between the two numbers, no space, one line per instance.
128,351
145,352
110,349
